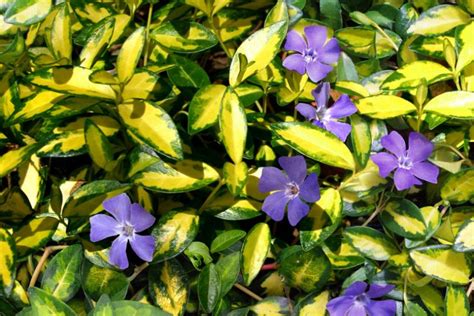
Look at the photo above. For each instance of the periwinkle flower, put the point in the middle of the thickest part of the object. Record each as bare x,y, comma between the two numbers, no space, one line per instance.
327,117
314,55
356,301
410,164
292,188
128,220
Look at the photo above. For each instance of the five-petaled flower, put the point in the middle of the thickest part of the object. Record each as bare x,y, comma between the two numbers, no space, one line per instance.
314,55
326,117
356,301
128,220
410,164
293,189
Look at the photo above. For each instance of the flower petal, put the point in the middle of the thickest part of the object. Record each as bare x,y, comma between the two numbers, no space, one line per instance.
379,290
382,308
103,226
356,309
329,54
143,246
296,63
118,253
119,207
297,209
386,163
425,171
274,205
338,306
308,111
341,130
404,179
309,190
272,179
356,288
295,42
419,147
317,71
316,35
343,107
295,168
321,94
140,218
394,143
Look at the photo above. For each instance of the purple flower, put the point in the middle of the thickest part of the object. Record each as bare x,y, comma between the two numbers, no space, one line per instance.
410,164
326,117
128,220
356,301
314,55
292,189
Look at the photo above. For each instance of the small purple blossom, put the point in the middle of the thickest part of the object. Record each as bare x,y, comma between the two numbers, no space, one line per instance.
293,189
128,220
410,164
356,301
314,55
327,117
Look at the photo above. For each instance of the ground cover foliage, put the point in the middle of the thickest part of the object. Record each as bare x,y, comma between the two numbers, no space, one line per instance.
233,157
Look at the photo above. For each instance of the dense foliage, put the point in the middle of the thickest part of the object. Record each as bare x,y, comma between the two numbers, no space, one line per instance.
236,157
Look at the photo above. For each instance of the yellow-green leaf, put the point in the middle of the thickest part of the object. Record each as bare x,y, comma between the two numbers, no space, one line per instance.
130,55
370,243
182,176
438,20
404,218
384,106
7,261
315,143
256,52
254,251
465,45
458,104
145,85
361,140
32,180
410,75
27,12
458,188
205,107
98,145
271,306
97,42
174,232
233,125
442,263
34,234
73,80
456,302
464,241
16,157
152,125
61,34
314,305
14,206
36,105
235,176
351,88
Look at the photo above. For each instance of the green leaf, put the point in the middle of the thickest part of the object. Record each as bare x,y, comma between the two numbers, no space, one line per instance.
198,253
439,20
27,12
205,107
404,218
43,303
184,36
256,52
152,125
168,286
208,288
330,11
14,205
233,125
35,234
464,241
97,281
411,75
186,73
458,188
384,106
370,242
442,263
63,273
126,308
174,232
7,262
455,104
129,55
305,270
226,239
254,251
456,301
228,268
315,143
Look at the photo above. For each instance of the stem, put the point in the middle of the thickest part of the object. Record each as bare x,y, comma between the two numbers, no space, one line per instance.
248,292
137,271
270,266
379,208
218,35
47,251
470,289
457,152
147,34
209,198
389,39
